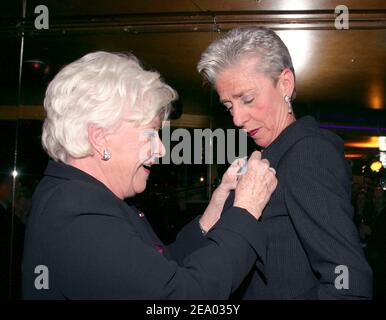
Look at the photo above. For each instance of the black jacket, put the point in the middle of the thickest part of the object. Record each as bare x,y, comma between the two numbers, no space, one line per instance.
95,246
309,221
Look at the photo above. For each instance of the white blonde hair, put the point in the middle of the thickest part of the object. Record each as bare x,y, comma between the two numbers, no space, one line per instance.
97,89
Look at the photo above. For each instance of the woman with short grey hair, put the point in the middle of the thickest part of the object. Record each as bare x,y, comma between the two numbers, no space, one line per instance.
273,53
309,219
103,114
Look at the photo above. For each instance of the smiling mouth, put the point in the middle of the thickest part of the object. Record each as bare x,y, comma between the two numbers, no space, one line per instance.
147,168
253,132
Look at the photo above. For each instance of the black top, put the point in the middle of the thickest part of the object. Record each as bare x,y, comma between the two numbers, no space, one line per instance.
309,221
95,246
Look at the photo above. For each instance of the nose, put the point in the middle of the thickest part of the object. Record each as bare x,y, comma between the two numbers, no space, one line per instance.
240,116
160,150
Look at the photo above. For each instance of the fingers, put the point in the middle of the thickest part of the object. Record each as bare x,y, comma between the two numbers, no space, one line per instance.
255,155
258,166
231,175
271,181
269,175
260,170
238,167
255,167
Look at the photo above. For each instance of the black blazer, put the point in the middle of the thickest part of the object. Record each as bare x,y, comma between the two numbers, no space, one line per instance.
309,221
95,246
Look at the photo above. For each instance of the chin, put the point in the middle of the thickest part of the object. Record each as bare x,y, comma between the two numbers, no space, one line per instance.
259,144
140,188
263,143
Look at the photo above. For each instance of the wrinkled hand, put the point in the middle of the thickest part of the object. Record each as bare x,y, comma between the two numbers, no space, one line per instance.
256,186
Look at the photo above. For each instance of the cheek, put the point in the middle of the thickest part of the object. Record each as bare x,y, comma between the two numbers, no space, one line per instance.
261,112
125,163
267,110
139,181
143,151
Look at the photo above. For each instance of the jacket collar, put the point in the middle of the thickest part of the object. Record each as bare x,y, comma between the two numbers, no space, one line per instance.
64,171
297,130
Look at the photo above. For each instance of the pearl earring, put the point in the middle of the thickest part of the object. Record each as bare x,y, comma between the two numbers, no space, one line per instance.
288,100
106,154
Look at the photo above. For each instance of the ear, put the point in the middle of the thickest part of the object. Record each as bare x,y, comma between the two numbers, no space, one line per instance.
97,138
287,82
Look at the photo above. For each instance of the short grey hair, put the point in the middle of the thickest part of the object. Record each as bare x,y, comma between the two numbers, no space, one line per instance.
98,89
230,48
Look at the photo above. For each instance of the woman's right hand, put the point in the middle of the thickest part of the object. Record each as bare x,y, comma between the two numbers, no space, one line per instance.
256,186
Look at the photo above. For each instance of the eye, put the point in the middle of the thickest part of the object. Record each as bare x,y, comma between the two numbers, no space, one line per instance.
156,132
248,100
149,134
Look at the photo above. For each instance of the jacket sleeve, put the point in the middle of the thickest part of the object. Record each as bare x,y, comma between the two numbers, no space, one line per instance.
190,238
100,256
316,179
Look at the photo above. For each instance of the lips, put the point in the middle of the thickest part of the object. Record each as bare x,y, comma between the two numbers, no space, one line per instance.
251,133
147,167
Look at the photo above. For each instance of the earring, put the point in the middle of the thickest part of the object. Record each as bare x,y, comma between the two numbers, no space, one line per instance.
288,100
106,154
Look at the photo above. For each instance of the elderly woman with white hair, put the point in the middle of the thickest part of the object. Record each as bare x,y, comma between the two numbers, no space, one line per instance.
103,113
314,250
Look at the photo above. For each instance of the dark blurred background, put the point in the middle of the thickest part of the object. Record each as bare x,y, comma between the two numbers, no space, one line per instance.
340,76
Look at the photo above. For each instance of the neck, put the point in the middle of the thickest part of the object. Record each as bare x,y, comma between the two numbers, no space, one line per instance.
287,121
290,119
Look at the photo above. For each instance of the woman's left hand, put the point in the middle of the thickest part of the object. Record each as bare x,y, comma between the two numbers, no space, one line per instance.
228,182
220,195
